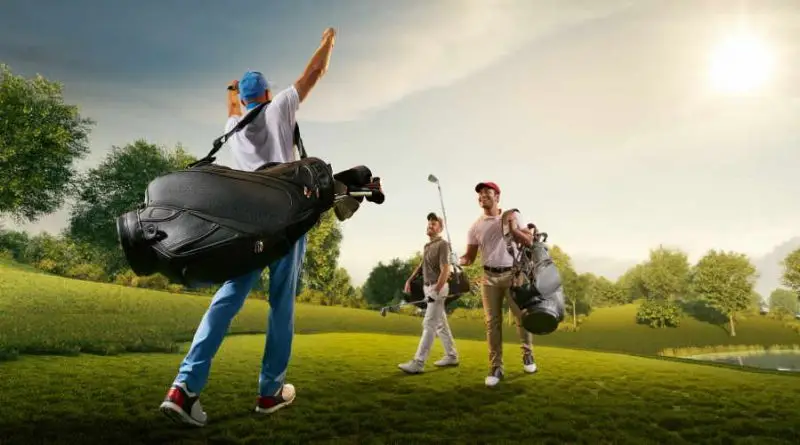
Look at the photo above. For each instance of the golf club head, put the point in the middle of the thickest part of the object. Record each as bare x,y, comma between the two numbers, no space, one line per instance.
433,179
345,208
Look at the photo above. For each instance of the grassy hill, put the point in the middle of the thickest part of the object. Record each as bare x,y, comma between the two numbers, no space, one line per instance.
45,314
349,389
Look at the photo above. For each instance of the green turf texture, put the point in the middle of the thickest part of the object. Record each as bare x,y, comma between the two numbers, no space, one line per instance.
349,388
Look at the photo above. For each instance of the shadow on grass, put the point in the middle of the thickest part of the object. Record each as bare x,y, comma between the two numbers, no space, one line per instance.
393,407
700,311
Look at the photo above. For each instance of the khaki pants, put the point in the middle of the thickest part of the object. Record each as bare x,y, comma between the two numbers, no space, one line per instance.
495,289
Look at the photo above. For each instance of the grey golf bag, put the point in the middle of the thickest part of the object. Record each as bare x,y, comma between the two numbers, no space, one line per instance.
536,286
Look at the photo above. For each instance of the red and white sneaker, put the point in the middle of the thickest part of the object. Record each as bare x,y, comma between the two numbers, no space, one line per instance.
269,404
183,406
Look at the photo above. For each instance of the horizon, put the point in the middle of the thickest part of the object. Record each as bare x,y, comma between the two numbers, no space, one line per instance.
613,154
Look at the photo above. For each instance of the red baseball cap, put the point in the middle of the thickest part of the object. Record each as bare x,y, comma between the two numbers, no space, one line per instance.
490,185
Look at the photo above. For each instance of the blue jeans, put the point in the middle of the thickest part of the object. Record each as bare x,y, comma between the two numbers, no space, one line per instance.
284,277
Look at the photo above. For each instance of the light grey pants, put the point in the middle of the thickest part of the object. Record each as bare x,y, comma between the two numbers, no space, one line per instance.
435,324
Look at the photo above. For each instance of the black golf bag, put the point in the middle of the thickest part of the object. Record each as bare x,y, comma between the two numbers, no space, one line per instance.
458,285
209,223
536,286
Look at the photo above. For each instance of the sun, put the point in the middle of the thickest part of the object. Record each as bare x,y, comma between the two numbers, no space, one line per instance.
742,63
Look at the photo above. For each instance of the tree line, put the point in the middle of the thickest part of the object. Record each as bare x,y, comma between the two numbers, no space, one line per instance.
42,137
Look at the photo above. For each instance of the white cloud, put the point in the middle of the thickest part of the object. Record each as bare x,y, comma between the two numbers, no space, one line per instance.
437,45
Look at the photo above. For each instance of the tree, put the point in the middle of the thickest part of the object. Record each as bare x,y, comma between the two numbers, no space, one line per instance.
41,137
662,280
385,282
631,284
607,293
791,271
725,281
574,286
117,186
322,255
783,303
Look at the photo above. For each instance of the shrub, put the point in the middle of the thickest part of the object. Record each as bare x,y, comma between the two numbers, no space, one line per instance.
659,314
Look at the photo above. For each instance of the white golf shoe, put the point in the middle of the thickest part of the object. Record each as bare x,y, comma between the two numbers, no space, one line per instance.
447,360
412,367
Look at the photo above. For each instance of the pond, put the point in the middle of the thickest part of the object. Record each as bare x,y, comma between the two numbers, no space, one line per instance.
788,360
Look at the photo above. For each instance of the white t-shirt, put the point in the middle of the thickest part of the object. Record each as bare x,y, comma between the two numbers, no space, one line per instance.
487,234
269,137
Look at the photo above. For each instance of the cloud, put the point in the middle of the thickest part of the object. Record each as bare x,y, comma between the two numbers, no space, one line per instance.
435,45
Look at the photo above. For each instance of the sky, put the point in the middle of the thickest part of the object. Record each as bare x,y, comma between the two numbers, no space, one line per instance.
603,121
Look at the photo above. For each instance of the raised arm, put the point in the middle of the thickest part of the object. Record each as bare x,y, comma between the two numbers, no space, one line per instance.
317,66
234,106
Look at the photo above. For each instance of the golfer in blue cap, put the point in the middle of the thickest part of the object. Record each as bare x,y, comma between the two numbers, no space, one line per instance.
268,138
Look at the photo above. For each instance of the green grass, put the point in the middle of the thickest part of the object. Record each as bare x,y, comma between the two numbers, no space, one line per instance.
350,391
46,314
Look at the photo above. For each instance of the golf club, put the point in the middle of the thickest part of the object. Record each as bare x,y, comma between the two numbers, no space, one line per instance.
432,178
386,309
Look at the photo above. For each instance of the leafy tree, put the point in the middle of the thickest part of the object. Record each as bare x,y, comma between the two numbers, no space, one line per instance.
607,293
15,242
322,255
41,137
117,186
791,271
666,275
783,303
631,283
385,282
575,287
664,279
725,281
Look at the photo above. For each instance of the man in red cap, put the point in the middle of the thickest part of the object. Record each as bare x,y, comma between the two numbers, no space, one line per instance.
486,236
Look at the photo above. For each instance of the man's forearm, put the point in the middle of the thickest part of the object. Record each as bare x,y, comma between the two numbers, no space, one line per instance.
522,236
234,108
415,273
315,69
444,274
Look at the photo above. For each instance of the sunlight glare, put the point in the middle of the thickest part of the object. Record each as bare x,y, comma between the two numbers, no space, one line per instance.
740,64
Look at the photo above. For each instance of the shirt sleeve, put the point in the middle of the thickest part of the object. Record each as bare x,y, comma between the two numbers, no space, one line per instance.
230,123
444,253
288,102
472,236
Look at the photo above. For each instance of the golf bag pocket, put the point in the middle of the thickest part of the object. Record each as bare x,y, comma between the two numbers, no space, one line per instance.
546,277
540,314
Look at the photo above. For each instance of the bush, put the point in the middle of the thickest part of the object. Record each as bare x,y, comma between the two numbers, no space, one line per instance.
659,314
84,271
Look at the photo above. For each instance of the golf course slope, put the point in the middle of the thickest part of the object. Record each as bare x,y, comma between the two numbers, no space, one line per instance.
349,389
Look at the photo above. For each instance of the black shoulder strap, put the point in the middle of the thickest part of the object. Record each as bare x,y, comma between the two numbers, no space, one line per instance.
220,141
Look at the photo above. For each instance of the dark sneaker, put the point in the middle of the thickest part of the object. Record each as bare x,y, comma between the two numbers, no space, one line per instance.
494,377
528,363
183,406
270,404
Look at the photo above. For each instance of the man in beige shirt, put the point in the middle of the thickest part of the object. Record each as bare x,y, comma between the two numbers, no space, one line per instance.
486,235
435,268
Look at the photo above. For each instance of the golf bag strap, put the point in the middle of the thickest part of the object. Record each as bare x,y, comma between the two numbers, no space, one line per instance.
220,141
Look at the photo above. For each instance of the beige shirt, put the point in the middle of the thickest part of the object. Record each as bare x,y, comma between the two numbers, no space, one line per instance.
487,234
435,254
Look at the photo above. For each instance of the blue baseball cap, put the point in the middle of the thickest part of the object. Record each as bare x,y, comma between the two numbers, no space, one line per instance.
252,85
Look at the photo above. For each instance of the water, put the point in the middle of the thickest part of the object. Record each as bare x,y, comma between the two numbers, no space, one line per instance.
778,360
